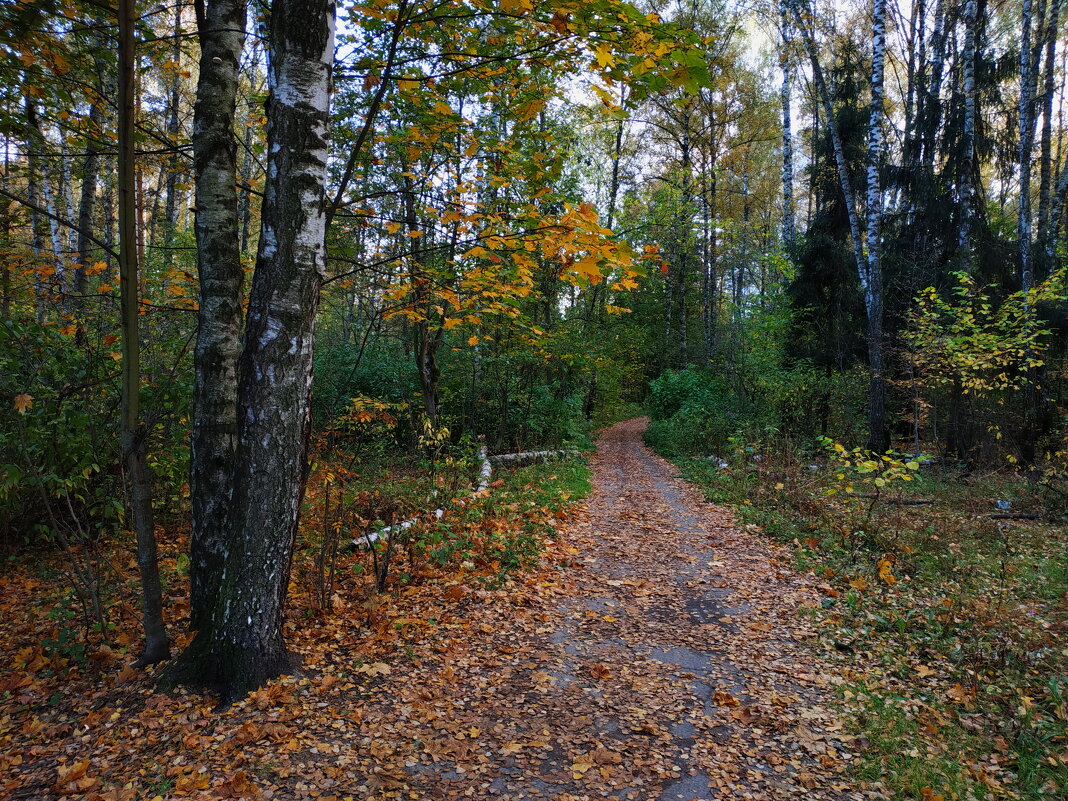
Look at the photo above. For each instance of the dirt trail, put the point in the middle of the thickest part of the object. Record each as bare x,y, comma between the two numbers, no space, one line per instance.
663,662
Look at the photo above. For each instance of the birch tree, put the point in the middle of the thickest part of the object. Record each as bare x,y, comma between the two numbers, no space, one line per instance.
1026,132
240,643
967,177
789,228
222,35
872,283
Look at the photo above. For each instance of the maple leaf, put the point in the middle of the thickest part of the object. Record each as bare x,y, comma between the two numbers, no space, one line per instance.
604,56
23,402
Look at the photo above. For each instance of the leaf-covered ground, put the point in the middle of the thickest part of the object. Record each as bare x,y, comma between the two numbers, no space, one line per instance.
656,654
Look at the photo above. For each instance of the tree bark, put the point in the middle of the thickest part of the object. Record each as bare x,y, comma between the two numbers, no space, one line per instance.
967,177
789,226
1026,142
170,212
157,645
1045,234
242,644
222,37
878,430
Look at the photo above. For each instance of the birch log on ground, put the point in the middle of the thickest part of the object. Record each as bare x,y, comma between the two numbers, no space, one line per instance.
485,473
529,457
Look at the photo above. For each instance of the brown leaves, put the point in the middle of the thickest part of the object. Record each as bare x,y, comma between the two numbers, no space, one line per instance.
72,779
600,671
724,698
238,785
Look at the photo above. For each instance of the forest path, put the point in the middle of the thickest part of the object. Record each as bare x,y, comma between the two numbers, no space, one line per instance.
662,661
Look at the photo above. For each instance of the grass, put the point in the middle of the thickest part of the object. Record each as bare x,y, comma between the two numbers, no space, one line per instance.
949,628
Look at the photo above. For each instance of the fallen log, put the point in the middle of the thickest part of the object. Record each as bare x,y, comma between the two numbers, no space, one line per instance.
871,496
485,473
529,457
1014,516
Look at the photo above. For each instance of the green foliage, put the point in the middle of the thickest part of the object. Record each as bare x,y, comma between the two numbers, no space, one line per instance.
970,341
57,443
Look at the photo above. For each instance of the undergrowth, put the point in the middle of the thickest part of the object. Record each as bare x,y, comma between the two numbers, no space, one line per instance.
949,625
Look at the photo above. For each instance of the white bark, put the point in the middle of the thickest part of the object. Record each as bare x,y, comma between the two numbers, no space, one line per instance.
789,227
967,194
1026,142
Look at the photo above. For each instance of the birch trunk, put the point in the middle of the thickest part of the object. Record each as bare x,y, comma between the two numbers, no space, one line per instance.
878,431
967,178
39,164
222,37
844,184
1045,234
242,643
789,226
1026,142
170,212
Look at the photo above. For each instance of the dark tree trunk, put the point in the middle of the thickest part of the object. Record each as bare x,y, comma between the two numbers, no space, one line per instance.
90,167
157,645
241,644
222,36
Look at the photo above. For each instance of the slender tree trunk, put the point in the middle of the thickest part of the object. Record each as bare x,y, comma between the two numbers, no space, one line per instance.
37,235
37,146
789,226
157,646
878,429
967,177
1045,236
844,183
170,212
241,645
222,37
86,202
1026,142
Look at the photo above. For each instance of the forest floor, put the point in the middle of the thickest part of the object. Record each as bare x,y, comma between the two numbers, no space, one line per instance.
657,653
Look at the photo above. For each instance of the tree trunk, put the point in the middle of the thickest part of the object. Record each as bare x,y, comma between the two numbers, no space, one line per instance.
1026,142
36,218
1045,234
844,183
967,177
157,646
90,167
36,142
878,430
242,644
170,212
222,37
789,227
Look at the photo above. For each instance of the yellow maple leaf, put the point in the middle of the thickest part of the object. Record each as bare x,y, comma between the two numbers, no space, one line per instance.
23,402
604,56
